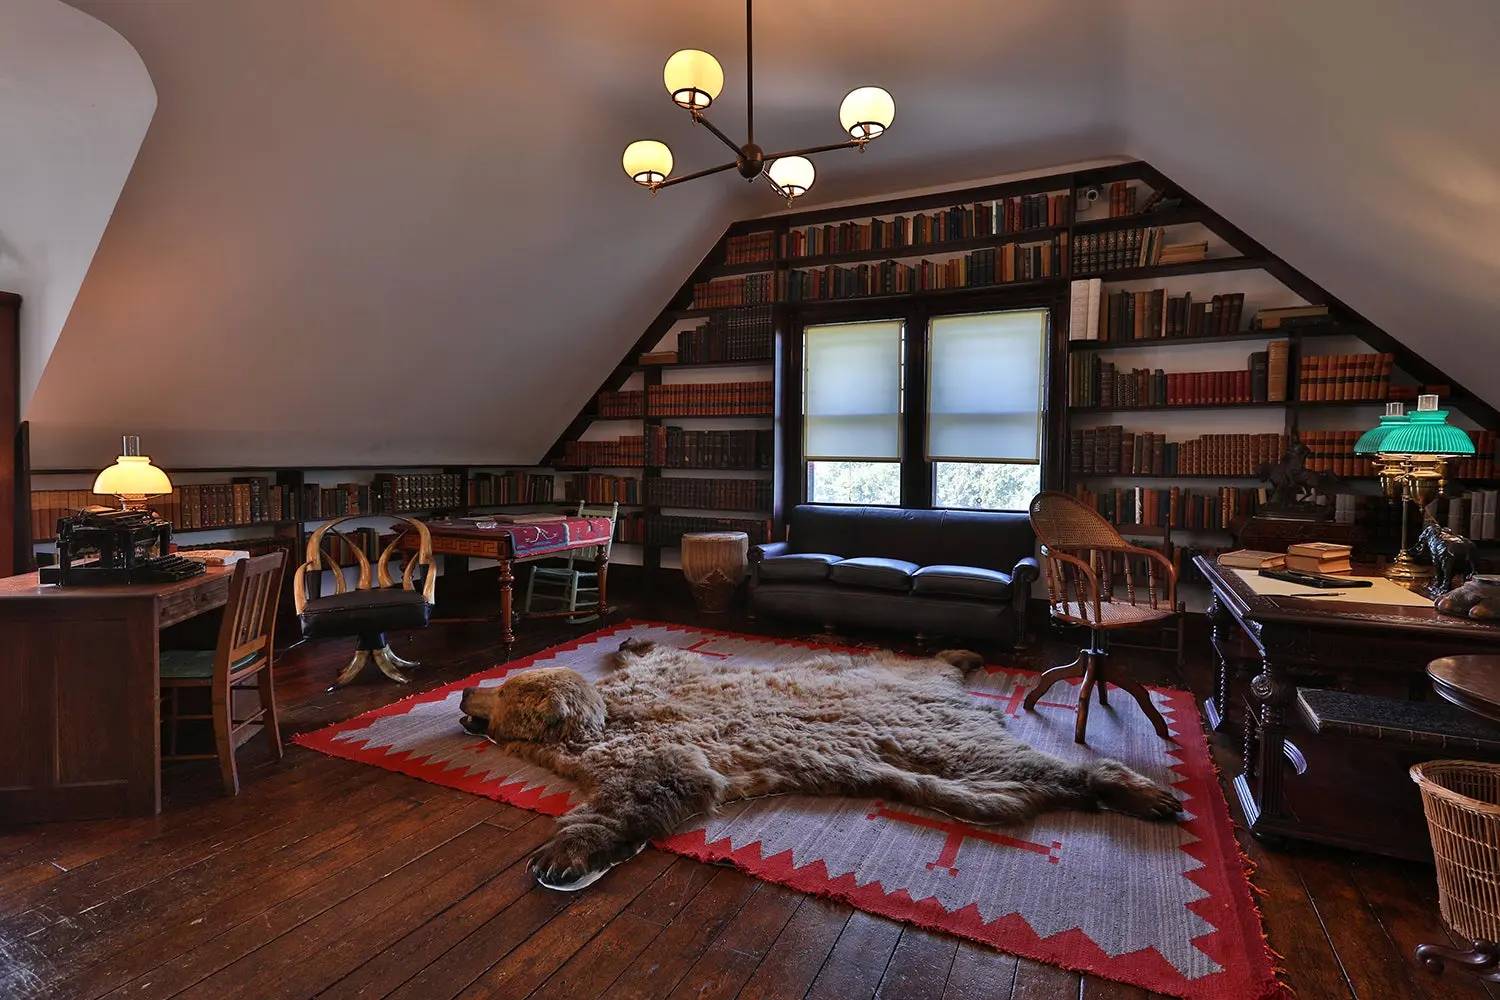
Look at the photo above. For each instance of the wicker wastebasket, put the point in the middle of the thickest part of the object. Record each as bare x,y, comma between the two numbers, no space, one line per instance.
1462,801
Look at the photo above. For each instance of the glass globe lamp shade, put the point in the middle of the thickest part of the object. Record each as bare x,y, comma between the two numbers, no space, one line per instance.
693,78
867,112
792,174
133,478
1370,441
648,161
1427,432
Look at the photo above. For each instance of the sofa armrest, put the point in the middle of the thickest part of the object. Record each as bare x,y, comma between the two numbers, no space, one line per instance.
1026,572
770,550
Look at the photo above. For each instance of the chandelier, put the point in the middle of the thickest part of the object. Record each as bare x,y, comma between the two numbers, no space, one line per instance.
695,78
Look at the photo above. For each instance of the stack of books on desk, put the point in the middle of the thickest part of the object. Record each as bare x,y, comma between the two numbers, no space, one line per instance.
1252,559
1319,557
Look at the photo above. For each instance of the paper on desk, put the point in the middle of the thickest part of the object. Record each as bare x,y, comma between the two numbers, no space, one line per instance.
1382,591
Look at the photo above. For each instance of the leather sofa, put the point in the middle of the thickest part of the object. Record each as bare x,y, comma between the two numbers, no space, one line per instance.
945,572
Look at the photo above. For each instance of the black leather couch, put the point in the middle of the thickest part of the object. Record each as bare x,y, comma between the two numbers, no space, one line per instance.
945,572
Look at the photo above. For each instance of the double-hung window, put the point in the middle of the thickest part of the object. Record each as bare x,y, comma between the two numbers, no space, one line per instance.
984,408
851,426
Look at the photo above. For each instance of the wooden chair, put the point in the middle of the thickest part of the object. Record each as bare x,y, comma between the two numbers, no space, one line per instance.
367,611
1082,554
564,575
241,661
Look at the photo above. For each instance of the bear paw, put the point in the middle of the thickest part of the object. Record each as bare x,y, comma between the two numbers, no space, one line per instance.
578,856
1123,790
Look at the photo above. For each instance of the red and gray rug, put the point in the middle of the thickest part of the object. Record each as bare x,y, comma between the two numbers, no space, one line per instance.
1163,906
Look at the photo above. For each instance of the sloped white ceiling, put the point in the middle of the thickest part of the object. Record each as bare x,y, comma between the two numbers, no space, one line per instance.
386,231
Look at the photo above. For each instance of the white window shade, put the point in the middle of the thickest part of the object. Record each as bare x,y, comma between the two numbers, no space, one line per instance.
985,386
852,391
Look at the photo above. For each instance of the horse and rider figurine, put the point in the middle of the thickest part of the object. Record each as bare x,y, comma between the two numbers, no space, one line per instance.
1296,491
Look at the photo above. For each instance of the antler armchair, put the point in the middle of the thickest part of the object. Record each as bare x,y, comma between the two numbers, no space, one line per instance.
1082,554
367,611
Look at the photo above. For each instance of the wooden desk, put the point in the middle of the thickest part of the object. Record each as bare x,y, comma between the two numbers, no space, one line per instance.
80,690
1266,647
509,544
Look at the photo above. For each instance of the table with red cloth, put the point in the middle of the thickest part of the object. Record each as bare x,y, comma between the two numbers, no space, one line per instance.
509,543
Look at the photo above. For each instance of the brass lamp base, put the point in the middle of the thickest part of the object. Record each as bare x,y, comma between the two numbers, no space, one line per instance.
1407,572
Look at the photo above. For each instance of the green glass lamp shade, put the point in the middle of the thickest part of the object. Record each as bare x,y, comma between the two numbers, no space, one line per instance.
1427,432
1370,442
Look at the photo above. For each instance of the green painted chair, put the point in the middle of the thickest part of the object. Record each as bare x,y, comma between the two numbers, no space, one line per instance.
564,581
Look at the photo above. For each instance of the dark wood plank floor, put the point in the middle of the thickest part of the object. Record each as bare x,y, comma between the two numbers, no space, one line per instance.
329,879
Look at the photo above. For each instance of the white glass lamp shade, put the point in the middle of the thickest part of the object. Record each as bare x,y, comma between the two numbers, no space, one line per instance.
693,78
792,174
648,161
867,112
133,476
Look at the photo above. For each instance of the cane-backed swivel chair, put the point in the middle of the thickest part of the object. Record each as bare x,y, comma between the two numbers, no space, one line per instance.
367,611
1082,557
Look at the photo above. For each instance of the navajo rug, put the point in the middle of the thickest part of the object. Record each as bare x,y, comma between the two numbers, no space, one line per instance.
1163,906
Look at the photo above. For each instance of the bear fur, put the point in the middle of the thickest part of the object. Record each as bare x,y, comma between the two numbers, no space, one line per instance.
669,734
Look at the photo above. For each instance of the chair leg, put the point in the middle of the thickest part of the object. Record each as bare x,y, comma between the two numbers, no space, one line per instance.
269,720
382,657
347,675
1050,677
570,596
530,589
1142,698
1104,692
224,738
1090,679
398,661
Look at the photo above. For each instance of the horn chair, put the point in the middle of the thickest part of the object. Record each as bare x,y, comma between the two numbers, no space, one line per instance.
1082,557
366,611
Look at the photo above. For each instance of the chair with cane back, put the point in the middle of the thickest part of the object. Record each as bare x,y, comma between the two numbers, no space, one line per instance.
240,661
1082,558
367,611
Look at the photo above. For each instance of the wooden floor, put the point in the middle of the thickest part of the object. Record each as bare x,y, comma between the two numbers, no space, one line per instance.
330,879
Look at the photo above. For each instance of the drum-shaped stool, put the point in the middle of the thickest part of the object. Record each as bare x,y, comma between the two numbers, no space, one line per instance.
713,562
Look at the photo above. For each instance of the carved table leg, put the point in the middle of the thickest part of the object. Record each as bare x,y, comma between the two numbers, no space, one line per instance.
507,582
601,566
1221,622
1273,692
1482,961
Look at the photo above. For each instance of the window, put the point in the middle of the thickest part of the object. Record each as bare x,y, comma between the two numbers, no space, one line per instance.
984,408
851,405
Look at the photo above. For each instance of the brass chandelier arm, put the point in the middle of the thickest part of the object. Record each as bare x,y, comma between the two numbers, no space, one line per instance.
695,175
700,119
846,144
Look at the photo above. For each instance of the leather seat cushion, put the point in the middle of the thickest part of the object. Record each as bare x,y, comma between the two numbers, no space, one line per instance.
873,571
359,611
797,566
962,581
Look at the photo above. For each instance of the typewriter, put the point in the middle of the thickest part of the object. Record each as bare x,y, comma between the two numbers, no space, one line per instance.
104,545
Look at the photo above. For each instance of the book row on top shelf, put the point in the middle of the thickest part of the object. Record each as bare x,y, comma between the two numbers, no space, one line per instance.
711,399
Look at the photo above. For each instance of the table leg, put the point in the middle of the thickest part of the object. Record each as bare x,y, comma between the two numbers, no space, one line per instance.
507,583
1273,693
1221,622
601,566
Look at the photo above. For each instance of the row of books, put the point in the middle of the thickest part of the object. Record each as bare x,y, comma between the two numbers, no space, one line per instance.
627,452
741,335
723,293
1112,451
1148,315
492,489
622,404
1121,199
711,399
1481,465
995,266
1117,249
396,491
1098,383
593,487
1333,451
710,494
750,247
675,448
961,222
1471,514
1345,376
1175,507
668,529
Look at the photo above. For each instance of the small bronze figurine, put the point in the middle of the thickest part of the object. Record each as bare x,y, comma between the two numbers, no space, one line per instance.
1296,489
1450,554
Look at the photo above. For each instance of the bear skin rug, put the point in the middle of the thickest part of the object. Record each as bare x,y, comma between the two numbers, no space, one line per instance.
669,734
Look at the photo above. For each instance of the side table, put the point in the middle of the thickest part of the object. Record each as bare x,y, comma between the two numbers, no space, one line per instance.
714,562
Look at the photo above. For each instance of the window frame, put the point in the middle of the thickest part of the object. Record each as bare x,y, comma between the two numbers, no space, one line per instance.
918,474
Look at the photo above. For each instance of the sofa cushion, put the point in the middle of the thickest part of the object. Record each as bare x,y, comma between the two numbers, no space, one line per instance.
797,566
356,612
873,571
961,581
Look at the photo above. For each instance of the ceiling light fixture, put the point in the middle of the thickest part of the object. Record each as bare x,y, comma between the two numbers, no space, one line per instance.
695,80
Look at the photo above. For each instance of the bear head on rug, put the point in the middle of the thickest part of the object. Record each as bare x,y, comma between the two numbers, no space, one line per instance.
669,734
